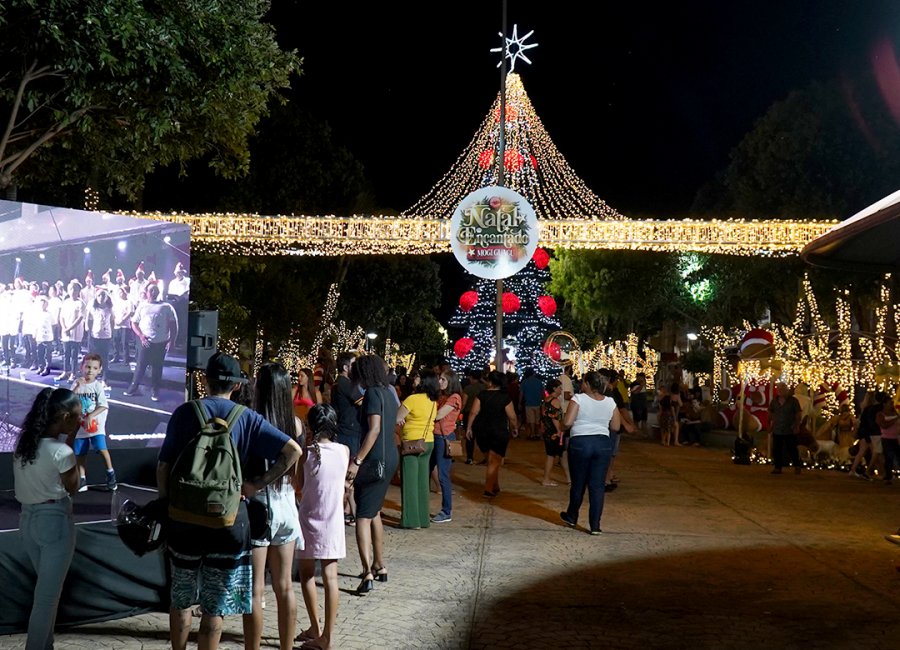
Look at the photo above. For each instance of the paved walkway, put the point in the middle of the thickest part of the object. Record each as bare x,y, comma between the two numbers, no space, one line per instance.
696,553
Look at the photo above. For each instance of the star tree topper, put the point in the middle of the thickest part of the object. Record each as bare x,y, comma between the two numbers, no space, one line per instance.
515,48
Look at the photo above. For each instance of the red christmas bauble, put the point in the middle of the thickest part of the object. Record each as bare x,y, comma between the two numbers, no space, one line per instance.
552,350
541,258
486,158
547,305
513,160
512,113
510,302
463,346
468,300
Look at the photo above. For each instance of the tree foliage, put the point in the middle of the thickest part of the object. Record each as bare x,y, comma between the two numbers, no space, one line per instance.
395,296
105,90
827,150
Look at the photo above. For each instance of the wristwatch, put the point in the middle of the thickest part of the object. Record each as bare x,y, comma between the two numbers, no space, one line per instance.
357,462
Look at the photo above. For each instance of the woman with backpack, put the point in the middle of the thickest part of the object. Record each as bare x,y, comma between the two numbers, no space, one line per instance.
275,547
45,474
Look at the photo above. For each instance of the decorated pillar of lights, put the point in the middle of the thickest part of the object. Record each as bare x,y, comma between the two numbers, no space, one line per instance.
623,355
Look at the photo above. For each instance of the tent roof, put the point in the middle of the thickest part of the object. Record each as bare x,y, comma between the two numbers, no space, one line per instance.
867,241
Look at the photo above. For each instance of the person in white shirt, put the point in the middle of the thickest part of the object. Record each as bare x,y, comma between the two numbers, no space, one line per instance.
590,416
568,390
9,326
179,287
54,305
43,335
72,322
156,327
45,474
123,310
101,311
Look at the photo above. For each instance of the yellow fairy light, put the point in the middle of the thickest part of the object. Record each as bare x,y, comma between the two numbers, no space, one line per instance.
243,234
572,216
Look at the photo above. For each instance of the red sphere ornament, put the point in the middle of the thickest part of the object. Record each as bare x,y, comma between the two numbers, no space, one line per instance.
541,258
486,158
510,302
547,305
468,300
513,160
552,350
512,113
463,346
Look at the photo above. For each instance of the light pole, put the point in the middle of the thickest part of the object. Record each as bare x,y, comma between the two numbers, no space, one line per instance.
370,340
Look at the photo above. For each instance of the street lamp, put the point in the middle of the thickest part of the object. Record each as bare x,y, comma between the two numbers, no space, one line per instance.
692,336
370,340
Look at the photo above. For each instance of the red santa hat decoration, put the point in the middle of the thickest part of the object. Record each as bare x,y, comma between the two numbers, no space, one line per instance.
140,268
106,276
179,268
757,344
89,276
120,277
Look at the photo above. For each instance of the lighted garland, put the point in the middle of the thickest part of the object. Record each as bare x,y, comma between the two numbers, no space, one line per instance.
236,234
627,355
553,189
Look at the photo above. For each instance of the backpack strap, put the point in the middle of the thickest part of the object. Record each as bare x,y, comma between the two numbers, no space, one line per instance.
236,412
200,411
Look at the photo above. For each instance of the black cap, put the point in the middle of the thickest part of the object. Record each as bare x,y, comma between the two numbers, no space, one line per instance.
224,367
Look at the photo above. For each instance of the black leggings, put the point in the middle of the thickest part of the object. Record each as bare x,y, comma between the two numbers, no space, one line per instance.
784,447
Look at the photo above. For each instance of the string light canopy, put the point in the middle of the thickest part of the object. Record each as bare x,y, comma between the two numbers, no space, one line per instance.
534,167
572,216
250,234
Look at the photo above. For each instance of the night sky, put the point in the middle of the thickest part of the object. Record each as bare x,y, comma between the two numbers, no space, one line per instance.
645,100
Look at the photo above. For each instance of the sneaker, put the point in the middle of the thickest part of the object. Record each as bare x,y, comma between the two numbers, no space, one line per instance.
610,487
111,484
132,392
441,518
154,396
567,519
596,532
82,484
469,461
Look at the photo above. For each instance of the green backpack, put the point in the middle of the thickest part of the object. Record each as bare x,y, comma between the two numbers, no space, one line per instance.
205,481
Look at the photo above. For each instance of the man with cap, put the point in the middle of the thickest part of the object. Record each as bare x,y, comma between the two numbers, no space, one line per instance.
156,327
212,566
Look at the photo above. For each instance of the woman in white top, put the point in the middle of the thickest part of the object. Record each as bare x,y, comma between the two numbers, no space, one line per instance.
590,415
45,475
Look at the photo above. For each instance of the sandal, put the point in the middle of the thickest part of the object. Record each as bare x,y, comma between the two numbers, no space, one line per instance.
349,520
305,637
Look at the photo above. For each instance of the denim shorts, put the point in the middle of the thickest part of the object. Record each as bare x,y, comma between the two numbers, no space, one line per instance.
285,526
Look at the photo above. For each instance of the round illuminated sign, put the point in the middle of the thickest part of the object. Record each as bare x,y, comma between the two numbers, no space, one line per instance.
494,232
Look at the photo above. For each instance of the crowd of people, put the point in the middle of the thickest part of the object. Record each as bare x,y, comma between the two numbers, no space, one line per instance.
317,454
46,327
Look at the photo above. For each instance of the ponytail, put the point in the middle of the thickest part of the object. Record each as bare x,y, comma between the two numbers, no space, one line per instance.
47,407
322,420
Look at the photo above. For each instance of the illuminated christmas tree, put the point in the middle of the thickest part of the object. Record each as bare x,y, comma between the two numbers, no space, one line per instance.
528,317
534,168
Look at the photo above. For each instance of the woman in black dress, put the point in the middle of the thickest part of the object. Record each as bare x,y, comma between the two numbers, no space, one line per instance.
491,419
378,414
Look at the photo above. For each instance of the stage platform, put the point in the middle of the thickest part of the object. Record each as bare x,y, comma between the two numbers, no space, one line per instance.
106,580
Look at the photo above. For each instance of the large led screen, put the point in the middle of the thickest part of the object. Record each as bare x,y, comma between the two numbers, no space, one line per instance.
76,283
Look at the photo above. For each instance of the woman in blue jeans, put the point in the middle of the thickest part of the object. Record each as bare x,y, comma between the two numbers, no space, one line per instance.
590,415
449,404
45,475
